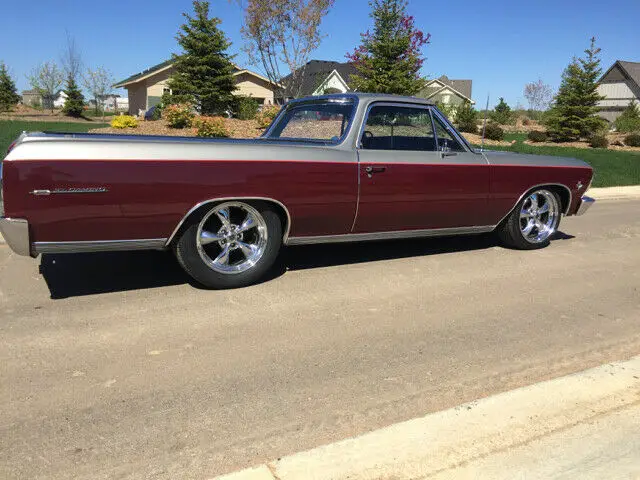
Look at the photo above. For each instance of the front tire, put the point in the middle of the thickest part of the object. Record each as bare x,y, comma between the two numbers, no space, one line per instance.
533,222
232,245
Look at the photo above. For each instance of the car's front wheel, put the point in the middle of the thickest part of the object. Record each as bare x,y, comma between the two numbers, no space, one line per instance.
232,245
533,222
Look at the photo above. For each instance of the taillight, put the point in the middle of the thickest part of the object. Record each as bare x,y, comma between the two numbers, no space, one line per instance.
13,144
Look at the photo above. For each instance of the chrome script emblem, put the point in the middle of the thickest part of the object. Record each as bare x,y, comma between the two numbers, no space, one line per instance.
59,191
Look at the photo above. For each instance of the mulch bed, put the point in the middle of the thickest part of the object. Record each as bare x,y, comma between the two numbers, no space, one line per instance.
237,129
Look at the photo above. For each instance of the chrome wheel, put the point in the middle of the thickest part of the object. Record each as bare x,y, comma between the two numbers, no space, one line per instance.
538,217
232,237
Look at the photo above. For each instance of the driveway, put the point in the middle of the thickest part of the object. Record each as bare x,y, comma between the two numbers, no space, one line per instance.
114,366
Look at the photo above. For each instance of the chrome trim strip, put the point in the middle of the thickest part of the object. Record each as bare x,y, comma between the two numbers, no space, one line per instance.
585,204
99,246
16,233
285,235
565,212
398,234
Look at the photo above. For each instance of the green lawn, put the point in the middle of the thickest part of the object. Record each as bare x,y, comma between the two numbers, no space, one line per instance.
611,167
10,129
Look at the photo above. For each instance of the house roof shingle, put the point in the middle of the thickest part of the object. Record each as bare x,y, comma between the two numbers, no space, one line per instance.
462,86
144,73
632,69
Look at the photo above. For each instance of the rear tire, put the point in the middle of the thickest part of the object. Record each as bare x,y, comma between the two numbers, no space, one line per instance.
233,244
533,222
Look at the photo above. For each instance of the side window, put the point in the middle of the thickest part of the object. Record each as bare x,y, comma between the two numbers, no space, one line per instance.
391,127
446,140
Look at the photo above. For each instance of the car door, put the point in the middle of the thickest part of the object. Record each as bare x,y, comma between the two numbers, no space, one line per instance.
415,173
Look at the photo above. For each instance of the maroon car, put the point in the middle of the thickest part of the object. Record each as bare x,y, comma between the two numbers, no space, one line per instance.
337,168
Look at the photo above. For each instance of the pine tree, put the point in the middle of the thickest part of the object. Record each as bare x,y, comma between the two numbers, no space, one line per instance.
502,112
573,114
629,119
203,72
389,59
467,118
8,92
74,104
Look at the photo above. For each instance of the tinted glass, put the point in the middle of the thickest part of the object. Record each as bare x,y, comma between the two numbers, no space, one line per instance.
319,121
398,128
446,140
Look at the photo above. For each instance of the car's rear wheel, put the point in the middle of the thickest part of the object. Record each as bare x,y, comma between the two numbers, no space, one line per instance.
231,245
533,222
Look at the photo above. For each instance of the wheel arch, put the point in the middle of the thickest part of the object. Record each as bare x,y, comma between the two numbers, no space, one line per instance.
199,208
561,189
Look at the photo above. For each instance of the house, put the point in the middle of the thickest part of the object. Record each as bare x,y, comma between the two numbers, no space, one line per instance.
318,77
619,85
145,89
59,98
446,91
31,97
35,97
321,76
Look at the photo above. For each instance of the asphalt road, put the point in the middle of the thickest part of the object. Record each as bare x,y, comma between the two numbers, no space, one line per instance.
114,366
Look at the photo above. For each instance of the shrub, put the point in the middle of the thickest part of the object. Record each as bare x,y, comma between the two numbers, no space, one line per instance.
179,115
246,108
629,119
466,118
448,110
537,136
210,127
124,121
632,140
526,121
599,141
493,131
266,115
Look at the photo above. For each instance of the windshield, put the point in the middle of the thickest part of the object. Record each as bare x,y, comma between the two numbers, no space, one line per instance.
316,121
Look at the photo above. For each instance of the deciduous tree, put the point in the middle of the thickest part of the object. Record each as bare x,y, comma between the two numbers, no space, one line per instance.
574,111
538,94
203,71
8,92
280,37
98,83
47,80
389,58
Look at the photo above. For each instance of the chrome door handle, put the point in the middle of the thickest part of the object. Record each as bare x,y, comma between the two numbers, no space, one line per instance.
371,170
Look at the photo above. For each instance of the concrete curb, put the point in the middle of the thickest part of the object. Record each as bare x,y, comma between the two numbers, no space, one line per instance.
615,193
442,441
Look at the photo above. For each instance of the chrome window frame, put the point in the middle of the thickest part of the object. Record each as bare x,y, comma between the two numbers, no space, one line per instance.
346,98
452,129
430,108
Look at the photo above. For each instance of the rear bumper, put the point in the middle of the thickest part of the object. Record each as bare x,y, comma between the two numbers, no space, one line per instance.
16,233
585,203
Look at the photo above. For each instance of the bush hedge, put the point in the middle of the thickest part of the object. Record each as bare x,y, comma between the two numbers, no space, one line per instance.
493,131
246,108
266,115
210,127
632,140
124,121
178,115
537,136
599,141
